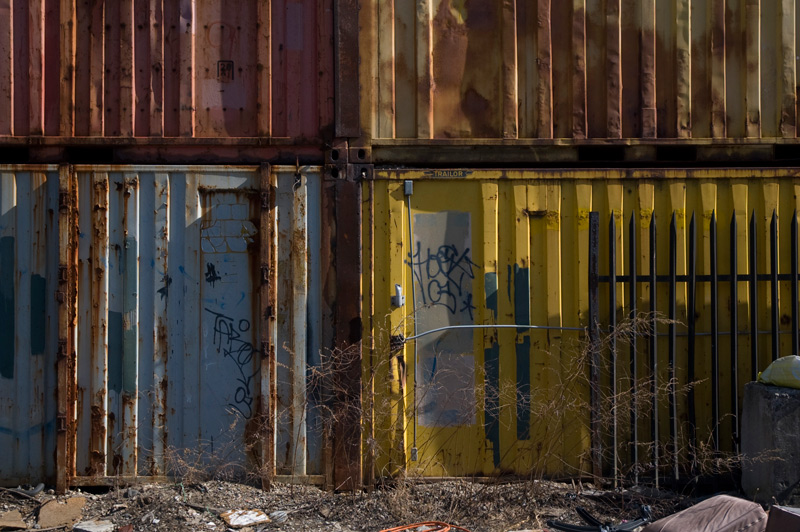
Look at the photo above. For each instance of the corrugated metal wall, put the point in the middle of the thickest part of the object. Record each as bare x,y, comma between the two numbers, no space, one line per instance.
510,247
155,68
582,69
28,322
167,331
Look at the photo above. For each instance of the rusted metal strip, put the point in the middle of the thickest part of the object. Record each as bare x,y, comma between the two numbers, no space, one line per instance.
299,261
614,69
683,68
424,62
753,59
64,348
648,69
579,69
36,34
346,81
264,67
268,301
347,363
545,71
130,326
68,28
788,68
510,100
717,67
328,276
98,392
97,75
126,70
160,319
7,106
187,73
385,127
156,68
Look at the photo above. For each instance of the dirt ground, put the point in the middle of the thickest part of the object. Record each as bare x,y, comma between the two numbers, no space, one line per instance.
499,506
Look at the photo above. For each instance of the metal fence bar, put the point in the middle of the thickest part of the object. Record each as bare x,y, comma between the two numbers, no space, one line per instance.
795,324
653,348
612,316
633,295
734,336
714,332
692,328
753,299
773,283
594,297
673,403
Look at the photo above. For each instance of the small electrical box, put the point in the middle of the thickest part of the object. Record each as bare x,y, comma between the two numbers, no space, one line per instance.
408,187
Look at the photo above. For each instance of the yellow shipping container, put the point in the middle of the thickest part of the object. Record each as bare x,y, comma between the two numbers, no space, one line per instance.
500,259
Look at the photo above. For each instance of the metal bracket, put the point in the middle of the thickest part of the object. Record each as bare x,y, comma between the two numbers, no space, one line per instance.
63,201
61,351
61,423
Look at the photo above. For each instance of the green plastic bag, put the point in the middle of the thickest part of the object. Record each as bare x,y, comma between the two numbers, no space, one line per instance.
783,372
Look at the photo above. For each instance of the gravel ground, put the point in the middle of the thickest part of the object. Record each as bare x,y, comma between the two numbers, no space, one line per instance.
499,506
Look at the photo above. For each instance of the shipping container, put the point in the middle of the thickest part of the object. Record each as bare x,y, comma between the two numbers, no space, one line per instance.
585,69
139,323
153,68
483,287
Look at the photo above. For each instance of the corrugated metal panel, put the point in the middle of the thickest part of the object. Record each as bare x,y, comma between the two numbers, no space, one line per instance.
168,332
155,68
510,247
28,322
583,69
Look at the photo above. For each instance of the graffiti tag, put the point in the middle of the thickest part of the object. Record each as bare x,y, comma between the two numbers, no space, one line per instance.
228,337
445,276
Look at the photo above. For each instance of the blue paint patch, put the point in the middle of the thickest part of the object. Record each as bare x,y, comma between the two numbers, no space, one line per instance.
524,389
115,351
7,307
491,405
38,315
490,286
522,297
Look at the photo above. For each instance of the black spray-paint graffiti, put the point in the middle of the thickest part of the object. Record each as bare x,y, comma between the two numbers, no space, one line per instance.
228,339
211,274
445,277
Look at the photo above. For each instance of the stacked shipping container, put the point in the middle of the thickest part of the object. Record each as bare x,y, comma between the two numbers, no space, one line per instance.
344,92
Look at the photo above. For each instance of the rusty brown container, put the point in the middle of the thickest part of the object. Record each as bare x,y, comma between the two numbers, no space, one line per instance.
158,68
703,71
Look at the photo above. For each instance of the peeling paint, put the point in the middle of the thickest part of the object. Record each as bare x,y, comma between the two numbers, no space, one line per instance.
7,307
38,314
115,351
490,287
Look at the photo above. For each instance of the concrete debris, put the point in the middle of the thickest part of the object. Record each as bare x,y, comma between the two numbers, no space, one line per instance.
12,521
771,444
94,526
243,518
57,513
